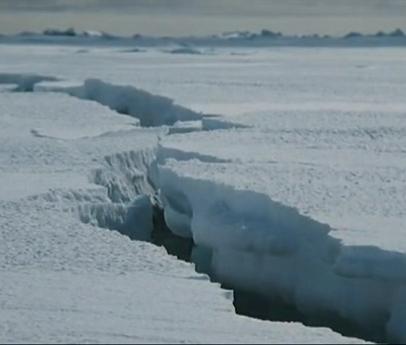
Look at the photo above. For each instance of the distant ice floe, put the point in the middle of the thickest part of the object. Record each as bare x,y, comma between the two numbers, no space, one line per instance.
71,32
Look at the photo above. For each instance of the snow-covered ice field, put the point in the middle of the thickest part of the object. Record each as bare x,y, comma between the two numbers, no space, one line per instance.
285,166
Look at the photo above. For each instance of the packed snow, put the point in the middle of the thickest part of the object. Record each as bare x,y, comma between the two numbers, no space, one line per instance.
284,166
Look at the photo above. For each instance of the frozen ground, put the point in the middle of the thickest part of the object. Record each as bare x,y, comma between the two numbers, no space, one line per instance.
296,193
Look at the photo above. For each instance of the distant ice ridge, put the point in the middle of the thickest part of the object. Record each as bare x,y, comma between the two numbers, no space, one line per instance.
264,37
70,32
254,243
185,50
151,110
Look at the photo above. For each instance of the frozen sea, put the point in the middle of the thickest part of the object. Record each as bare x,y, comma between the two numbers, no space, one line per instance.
285,166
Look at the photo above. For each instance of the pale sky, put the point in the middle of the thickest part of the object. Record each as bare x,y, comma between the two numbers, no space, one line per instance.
201,17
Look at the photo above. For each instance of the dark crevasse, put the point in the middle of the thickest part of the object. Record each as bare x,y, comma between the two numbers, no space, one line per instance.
130,210
251,303
137,212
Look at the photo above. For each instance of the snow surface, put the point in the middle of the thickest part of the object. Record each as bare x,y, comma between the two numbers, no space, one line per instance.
68,167
302,192
298,189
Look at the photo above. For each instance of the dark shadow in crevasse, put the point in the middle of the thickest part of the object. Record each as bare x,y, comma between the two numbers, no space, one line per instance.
253,304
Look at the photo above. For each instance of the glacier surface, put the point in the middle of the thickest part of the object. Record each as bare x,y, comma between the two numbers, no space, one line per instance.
69,167
294,190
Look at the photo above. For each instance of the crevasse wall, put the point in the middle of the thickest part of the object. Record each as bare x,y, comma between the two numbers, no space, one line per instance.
268,248
127,207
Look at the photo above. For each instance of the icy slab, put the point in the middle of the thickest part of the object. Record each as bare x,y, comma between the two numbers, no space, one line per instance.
53,141
341,168
56,116
259,241
299,192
